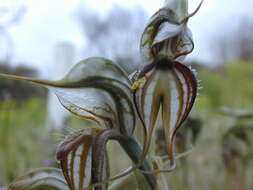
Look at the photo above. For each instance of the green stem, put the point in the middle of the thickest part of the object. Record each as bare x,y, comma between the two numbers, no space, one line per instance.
131,147
134,151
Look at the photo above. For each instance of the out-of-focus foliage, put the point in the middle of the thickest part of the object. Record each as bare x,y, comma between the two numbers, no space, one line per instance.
227,85
236,147
23,140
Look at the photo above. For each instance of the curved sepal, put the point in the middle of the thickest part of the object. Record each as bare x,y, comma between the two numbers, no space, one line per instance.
95,89
167,33
75,156
171,86
40,179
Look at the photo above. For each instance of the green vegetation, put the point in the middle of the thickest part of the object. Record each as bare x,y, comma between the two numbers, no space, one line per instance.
25,143
22,137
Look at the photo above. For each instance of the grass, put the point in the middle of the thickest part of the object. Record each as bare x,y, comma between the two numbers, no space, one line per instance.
22,137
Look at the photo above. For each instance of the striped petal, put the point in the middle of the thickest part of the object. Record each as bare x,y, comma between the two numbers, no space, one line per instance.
75,155
167,33
164,36
40,179
95,89
171,86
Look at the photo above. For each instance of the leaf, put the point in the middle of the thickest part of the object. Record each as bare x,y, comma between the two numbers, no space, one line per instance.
40,179
95,89
171,86
75,156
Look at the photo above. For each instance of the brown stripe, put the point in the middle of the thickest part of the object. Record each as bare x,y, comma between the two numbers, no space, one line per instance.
181,102
186,111
83,116
65,169
70,144
167,113
143,94
73,153
191,82
83,161
92,113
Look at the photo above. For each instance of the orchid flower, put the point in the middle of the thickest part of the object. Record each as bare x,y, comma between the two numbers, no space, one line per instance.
163,82
167,33
75,156
78,169
100,90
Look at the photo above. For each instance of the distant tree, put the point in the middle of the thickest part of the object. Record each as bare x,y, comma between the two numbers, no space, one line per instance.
115,35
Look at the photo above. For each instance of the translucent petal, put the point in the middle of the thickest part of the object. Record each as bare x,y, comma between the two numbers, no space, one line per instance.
184,42
167,30
171,86
152,29
95,89
167,34
40,179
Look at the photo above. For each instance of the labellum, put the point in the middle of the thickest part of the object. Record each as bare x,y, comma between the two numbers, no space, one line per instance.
164,83
171,87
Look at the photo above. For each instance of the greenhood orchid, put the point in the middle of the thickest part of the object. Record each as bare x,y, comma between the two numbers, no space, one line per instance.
100,90
167,33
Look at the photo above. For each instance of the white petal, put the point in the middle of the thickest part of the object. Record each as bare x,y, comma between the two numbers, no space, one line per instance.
167,30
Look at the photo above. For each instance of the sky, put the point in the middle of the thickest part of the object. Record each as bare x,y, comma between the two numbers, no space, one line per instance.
48,22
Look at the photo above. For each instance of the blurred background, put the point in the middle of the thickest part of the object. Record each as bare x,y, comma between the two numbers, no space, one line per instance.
44,38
